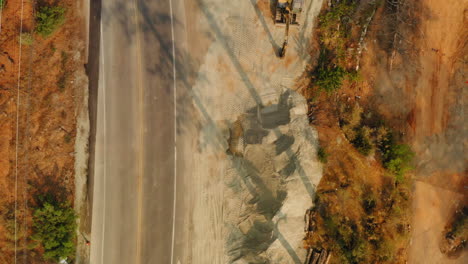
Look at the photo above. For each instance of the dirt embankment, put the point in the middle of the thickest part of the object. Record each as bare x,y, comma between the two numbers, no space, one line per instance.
419,86
413,74
41,92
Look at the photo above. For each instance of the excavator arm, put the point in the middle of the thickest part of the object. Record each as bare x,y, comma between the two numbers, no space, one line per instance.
287,17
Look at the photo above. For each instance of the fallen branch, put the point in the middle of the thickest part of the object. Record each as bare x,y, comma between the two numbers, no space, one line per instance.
363,36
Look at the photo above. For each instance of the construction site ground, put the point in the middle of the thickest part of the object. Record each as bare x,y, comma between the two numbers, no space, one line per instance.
233,168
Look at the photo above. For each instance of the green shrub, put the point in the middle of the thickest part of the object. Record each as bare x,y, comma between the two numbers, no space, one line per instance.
54,227
2,3
49,19
396,157
328,75
27,38
330,78
322,155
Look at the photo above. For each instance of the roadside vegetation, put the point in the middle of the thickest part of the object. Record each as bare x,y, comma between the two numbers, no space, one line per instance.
49,19
51,237
362,206
12,239
54,226
34,230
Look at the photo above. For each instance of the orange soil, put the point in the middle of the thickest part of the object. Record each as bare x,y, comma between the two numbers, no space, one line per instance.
426,100
46,114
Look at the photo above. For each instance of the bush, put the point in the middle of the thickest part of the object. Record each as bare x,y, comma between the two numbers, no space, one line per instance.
328,75
396,157
49,19
330,78
54,227
362,141
2,3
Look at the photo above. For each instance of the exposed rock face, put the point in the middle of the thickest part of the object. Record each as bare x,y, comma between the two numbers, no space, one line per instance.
271,182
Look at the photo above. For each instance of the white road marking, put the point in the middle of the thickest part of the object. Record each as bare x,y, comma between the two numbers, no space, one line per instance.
140,135
17,129
175,131
103,229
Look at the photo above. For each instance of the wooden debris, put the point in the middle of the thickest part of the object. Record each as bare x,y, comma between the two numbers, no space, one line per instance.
316,256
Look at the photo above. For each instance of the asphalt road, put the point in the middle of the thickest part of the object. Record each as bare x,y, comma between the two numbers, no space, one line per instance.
134,172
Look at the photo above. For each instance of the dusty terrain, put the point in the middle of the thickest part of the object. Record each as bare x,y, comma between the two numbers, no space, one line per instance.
422,92
241,88
41,94
413,73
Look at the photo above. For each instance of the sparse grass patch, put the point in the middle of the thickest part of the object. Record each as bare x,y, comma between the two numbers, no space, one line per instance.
27,38
49,19
322,155
63,78
67,138
360,227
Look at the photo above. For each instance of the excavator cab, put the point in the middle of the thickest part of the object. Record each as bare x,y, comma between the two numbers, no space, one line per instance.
291,7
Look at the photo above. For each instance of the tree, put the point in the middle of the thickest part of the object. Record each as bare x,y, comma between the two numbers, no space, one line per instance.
54,227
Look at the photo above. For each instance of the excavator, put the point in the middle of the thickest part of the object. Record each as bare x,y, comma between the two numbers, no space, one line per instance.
287,14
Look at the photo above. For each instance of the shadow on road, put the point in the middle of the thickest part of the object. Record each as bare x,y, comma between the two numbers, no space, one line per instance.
153,23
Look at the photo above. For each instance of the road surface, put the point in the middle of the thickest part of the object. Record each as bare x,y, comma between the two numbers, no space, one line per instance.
134,172
173,75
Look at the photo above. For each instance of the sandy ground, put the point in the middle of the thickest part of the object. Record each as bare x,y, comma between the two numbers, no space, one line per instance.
432,207
437,128
237,71
81,145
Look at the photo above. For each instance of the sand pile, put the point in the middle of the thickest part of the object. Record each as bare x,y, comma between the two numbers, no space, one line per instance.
271,182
